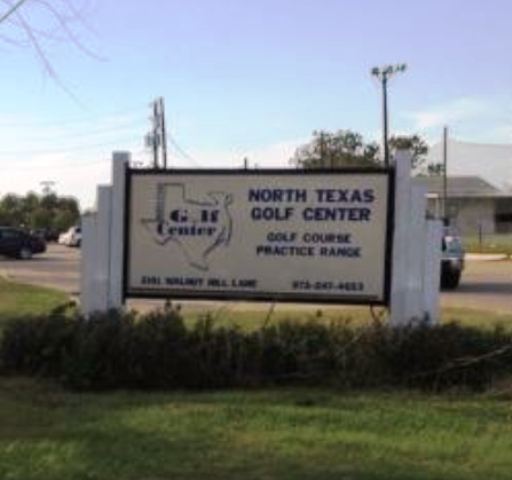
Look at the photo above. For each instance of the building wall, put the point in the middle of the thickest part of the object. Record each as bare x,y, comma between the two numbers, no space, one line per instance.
474,215
469,215
504,215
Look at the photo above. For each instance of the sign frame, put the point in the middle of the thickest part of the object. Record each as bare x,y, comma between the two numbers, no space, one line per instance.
262,296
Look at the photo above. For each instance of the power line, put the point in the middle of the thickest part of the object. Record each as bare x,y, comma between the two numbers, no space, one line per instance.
182,152
157,138
126,130
106,116
48,166
60,166
63,149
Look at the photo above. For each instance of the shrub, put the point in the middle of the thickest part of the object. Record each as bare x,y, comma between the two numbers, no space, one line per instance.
36,345
157,351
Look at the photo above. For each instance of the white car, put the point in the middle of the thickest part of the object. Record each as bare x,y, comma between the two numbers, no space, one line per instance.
62,238
71,238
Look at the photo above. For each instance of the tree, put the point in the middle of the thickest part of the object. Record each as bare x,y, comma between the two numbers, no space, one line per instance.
36,24
415,144
435,169
346,148
34,211
343,148
11,211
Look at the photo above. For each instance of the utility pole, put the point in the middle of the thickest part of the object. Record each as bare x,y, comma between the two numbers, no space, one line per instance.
155,138
163,133
383,74
323,163
445,173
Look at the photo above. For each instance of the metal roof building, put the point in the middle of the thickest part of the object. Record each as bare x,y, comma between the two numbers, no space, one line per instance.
493,162
461,186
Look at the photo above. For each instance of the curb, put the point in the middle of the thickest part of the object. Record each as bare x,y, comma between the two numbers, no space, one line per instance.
486,257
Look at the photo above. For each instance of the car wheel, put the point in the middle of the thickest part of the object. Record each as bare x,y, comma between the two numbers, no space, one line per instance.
450,280
25,253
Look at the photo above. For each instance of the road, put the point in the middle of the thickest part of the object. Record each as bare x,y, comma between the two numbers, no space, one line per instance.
486,285
58,267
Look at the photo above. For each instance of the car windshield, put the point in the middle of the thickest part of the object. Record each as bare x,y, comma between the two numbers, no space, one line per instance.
10,234
452,244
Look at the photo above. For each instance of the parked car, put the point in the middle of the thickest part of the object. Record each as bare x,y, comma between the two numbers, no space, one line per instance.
48,234
38,232
71,238
452,263
18,243
62,238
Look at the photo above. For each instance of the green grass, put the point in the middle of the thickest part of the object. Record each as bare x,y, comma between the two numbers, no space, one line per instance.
499,243
47,433
249,319
17,299
476,318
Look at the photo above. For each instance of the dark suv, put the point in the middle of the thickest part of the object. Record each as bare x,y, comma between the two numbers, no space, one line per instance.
18,243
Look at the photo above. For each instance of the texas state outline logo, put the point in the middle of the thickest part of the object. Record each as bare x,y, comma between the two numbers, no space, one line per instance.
197,227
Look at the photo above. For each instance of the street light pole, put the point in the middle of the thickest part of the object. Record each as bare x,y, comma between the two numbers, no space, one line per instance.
383,74
445,173
385,119
47,186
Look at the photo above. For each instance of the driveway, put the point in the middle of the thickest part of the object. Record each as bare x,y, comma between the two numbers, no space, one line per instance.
485,285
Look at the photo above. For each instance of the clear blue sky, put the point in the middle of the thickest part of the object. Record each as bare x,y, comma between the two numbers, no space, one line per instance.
247,78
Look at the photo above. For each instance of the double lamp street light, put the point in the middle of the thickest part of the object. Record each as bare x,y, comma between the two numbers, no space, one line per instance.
383,74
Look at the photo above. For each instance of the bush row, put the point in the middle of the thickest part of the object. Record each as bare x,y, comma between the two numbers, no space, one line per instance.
157,351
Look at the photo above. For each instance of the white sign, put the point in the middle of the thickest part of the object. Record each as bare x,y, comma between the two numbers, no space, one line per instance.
266,235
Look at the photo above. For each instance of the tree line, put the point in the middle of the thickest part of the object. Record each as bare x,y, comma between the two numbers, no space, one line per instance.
33,211
346,148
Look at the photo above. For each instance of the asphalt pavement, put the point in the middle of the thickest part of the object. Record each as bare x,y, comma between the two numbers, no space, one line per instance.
485,285
58,267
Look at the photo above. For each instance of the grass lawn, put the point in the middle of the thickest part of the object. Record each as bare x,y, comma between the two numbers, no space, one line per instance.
17,299
499,243
476,318
49,433
252,319
46,433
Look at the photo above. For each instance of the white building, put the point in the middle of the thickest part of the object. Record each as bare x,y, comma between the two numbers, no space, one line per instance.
474,206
